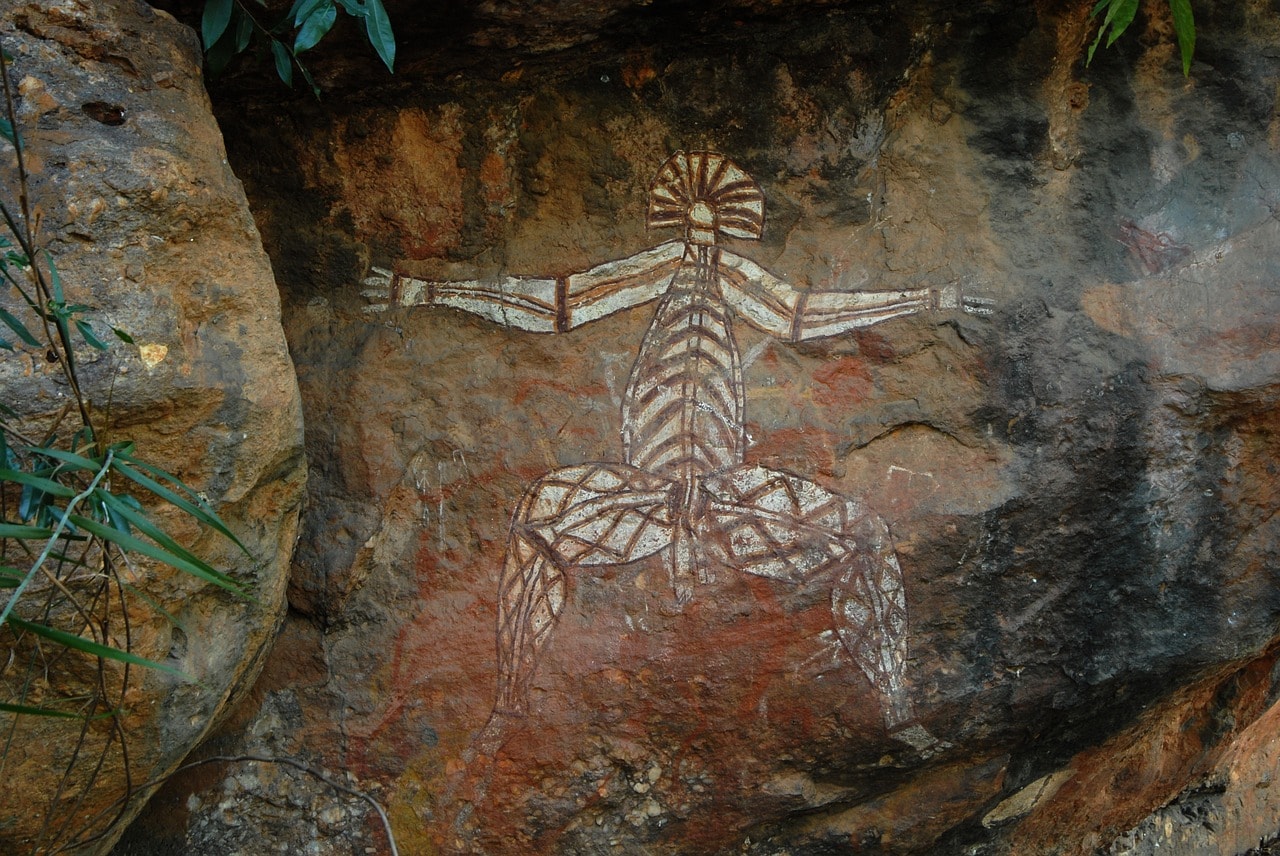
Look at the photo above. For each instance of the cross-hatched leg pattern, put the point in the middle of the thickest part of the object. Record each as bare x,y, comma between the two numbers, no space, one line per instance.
782,526
590,515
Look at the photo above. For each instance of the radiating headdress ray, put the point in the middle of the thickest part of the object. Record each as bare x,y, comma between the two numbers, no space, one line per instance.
688,178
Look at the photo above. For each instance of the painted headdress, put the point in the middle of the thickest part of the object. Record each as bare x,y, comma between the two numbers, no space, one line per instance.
708,195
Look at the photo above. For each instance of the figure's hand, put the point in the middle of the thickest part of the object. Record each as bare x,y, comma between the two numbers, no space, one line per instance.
953,297
378,289
387,289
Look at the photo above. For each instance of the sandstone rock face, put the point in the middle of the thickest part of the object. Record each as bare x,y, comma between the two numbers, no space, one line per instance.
1080,488
149,226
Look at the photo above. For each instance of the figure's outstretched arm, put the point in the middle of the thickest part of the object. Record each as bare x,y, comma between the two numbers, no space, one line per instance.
780,309
541,305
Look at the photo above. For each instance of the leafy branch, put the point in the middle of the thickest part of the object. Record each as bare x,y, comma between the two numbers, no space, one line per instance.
72,526
229,27
1119,14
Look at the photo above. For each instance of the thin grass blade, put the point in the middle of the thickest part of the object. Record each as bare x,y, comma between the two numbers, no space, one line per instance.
148,527
95,649
37,482
20,330
191,504
133,544
25,533
25,710
77,462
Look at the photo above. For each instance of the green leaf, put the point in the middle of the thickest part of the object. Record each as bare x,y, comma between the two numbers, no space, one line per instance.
197,508
354,8
71,459
1185,26
315,27
83,439
244,31
123,447
378,26
284,63
122,335
1125,12
18,328
46,485
55,280
306,75
109,513
213,23
33,506
114,517
155,533
304,9
131,544
87,332
1088,58
1119,16
49,515
25,533
220,55
96,649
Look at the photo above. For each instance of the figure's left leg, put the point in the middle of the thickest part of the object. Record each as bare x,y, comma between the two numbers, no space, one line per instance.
782,526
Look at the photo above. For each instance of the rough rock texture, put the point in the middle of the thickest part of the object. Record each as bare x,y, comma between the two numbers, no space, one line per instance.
1081,488
150,227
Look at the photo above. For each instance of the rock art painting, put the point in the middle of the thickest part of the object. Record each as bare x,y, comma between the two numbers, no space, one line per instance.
683,489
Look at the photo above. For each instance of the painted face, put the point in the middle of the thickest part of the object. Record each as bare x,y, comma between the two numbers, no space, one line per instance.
707,195
700,224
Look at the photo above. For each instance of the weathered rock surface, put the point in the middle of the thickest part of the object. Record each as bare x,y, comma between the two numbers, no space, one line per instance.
1081,488
149,226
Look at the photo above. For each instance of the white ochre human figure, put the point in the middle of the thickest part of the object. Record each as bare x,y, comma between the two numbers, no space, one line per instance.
684,488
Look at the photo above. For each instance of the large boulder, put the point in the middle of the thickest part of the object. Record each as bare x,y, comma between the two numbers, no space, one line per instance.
1079,487
148,226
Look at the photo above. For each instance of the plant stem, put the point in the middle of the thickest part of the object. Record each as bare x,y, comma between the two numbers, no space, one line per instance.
26,239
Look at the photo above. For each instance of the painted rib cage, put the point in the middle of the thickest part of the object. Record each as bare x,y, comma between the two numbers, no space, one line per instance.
683,410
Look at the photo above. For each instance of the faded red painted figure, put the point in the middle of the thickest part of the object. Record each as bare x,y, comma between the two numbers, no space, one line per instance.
683,488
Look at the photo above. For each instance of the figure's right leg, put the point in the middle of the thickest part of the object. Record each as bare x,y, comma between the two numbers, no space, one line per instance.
531,596
591,515
530,599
